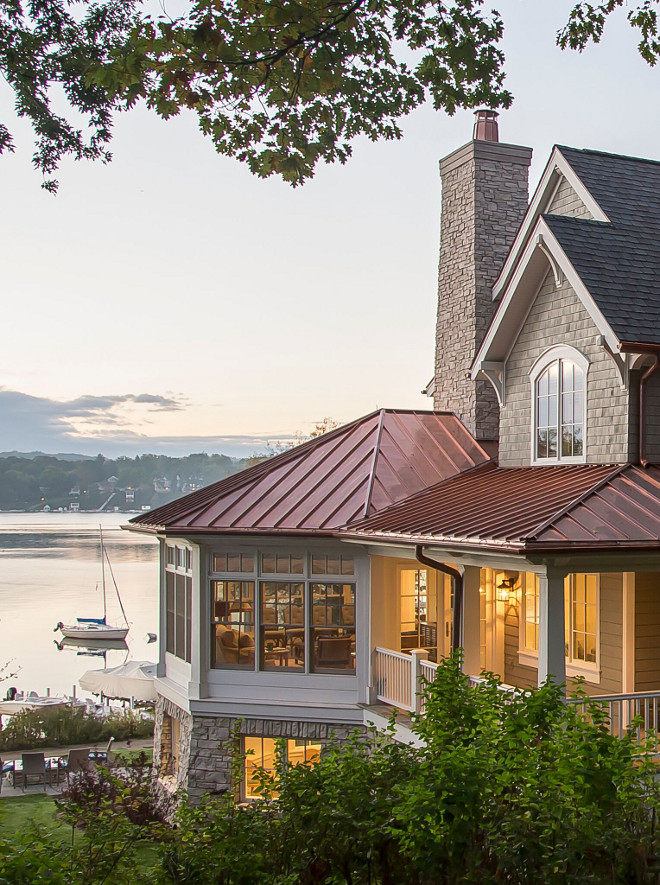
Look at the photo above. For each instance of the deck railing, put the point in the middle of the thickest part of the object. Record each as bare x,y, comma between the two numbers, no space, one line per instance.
399,680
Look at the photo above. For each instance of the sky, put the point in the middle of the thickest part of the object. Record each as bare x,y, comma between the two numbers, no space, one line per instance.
169,302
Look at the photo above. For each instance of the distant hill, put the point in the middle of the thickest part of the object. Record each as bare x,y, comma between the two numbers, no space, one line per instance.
34,481
61,456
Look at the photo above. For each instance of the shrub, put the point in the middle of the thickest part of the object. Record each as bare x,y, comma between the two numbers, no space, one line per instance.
128,790
502,787
63,726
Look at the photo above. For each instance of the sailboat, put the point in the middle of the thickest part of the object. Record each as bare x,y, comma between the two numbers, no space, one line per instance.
97,628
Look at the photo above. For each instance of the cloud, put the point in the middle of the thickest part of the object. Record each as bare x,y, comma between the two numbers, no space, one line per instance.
89,424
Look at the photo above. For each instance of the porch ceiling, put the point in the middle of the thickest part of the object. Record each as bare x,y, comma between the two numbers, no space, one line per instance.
574,507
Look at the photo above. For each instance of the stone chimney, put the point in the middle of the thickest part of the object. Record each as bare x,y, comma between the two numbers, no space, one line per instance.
484,199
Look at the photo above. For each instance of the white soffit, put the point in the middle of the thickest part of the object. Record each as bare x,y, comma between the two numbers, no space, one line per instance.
541,253
556,168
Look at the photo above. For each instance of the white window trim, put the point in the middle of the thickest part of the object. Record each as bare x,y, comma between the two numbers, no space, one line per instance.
527,657
549,356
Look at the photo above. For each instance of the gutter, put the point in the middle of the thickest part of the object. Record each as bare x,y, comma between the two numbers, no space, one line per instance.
630,347
457,577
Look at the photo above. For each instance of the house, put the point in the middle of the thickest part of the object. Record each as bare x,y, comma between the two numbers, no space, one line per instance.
520,519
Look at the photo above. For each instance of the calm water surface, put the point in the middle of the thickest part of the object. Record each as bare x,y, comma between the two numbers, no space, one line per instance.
50,571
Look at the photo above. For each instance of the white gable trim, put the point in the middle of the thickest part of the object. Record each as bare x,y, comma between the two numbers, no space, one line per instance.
557,167
543,240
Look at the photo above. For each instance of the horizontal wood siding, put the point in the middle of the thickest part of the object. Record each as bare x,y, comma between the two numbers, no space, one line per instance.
647,631
611,634
515,673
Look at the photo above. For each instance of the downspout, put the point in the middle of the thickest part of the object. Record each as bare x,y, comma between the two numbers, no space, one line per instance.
642,423
458,591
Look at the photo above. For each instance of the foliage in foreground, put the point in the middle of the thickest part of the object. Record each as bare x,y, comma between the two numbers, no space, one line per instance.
508,788
279,84
63,726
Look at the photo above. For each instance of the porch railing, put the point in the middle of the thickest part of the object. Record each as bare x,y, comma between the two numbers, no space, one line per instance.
399,680
621,711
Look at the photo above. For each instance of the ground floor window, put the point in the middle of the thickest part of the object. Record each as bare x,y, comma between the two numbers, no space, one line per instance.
271,755
581,619
530,612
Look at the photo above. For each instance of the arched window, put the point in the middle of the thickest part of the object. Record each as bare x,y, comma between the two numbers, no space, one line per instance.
559,399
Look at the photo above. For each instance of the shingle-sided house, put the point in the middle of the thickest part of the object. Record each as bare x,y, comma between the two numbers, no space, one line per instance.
520,519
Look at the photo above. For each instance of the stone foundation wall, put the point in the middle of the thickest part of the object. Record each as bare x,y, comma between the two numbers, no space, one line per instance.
214,739
163,764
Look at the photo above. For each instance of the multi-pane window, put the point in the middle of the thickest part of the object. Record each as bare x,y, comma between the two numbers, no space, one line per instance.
282,624
581,616
233,624
530,614
271,612
559,423
178,601
333,627
263,754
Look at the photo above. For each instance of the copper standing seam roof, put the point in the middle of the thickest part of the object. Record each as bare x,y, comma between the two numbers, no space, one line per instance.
347,474
491,506
622,512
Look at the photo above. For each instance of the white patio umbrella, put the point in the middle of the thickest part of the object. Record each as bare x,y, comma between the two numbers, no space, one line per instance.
134,679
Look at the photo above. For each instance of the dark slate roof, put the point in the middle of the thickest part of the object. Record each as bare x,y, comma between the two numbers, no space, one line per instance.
618,261
525,509
346,474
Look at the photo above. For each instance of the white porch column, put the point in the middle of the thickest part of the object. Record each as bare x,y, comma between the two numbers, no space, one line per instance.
552,652
471,623
200,628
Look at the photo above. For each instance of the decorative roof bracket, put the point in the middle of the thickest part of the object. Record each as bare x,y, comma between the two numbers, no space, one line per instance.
494,372
556,270
620,360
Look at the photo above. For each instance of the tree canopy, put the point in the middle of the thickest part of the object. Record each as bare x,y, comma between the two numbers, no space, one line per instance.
278,84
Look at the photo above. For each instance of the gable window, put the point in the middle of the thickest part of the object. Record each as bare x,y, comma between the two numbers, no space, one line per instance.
559,400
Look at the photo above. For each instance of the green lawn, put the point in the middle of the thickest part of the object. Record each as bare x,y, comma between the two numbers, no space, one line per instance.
17,814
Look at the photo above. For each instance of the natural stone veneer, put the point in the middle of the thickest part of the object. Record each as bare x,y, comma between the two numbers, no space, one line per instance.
214,739
484,199
163,763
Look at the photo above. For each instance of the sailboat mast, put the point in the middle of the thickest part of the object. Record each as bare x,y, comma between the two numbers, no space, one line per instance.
103,572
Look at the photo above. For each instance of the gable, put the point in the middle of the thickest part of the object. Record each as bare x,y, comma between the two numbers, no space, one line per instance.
557,317
566,201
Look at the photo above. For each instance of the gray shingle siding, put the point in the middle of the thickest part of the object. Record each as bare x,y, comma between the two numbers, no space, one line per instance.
566,202
558,317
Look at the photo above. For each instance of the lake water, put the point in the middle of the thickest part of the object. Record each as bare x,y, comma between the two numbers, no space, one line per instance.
50,571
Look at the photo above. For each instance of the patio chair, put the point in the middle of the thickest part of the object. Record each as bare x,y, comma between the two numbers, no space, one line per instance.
78,760
34,766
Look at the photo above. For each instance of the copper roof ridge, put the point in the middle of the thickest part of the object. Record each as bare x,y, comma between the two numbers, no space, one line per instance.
204,496
372,476
405,501
563,511
290,467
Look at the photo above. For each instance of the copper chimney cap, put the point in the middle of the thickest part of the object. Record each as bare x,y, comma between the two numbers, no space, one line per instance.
485,126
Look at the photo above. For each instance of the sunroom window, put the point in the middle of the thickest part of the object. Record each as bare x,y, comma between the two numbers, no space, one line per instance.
559,383
283,612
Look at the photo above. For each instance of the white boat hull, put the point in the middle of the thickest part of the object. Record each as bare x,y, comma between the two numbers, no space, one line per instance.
93,631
